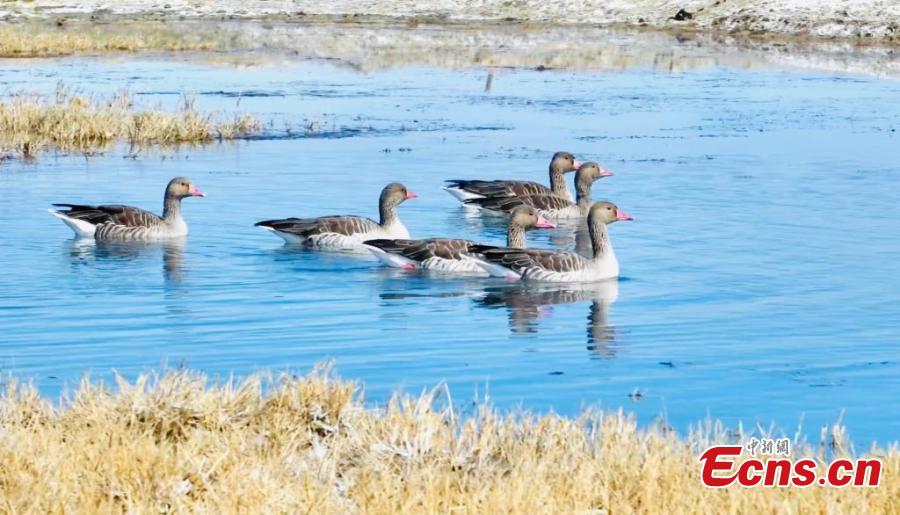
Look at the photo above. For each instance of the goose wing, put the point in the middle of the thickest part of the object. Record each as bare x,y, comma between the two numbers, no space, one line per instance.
306,227
421,250
499,188
521,260
548,202
113,214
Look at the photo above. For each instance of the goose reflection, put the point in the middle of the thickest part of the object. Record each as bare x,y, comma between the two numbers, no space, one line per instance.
529,303
86,250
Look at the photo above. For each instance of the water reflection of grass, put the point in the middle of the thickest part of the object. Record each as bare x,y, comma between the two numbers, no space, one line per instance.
369,43
178,444
71,122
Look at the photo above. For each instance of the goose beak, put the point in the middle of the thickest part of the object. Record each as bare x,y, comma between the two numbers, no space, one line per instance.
621,215
543,223
194,192
605,173
577,164
410,195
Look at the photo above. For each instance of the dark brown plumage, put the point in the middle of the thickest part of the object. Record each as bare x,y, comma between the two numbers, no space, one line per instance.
449,254
550,205
560,164
116,214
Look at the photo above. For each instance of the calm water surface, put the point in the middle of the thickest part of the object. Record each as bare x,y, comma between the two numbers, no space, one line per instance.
759,279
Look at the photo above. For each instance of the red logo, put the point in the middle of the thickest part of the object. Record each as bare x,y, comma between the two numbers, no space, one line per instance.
722,467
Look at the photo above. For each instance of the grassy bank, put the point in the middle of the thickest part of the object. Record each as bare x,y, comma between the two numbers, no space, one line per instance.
43,39
70,122
178,443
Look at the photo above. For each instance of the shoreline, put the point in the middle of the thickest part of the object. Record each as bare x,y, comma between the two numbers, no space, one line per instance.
371,46
178,442
862,21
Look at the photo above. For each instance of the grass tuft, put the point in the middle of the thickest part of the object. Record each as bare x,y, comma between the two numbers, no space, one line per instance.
178,443
70,122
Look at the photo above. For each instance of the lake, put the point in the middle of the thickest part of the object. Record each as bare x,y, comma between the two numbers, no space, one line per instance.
759,278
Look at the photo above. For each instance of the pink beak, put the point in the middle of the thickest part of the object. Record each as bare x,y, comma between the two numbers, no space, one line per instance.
605,173
577,164
410,195
196,193
543,223
622,215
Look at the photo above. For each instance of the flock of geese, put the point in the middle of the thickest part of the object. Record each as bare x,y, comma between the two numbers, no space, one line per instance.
529,205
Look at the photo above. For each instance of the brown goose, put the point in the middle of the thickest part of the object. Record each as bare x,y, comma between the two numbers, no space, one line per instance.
346,232
549,205
126,223
557,266
448,255
562,163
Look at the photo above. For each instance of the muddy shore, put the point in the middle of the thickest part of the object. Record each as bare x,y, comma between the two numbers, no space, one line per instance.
865,21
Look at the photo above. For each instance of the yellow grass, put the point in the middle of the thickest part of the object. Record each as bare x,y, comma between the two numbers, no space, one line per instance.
29,123
177,443
44,40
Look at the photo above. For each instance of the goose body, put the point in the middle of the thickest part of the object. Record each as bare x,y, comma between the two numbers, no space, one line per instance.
558,266
438,254
126,223
333,232
345,232
550,206
560,164
450,255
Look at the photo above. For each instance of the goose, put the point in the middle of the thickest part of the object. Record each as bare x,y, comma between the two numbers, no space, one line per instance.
126,223
558,266
550,205
445,254
346,232
562,163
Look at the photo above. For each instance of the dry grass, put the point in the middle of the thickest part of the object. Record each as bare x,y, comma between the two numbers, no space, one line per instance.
45,40
29,123
177,443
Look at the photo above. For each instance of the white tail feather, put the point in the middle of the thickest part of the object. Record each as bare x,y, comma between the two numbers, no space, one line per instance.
287,237
82,229
492,269
392,260
460,194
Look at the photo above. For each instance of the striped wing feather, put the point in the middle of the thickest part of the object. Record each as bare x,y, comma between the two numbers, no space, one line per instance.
521,260
113,214
421,250
307,227
507,204
500,188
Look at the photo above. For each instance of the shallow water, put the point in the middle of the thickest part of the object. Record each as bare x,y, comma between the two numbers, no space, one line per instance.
759,276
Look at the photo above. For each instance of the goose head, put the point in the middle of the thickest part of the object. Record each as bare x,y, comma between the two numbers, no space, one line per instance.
564,162
606,213
181,187
527,217
590,172
395,194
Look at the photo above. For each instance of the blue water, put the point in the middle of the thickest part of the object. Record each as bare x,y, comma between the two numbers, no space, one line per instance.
759,280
